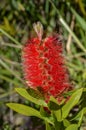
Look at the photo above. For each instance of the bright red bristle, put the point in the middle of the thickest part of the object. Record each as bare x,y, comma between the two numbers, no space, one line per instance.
43,65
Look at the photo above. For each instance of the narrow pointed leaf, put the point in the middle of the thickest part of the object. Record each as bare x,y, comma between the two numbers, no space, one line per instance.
80,20
43,112
48,126
23,109
66,122
58,115
54,104
72,127
74,99
28,111
79,116
23,92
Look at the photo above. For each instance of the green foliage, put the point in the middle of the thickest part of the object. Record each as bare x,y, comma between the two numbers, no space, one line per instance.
56,114
74,100
48,127
72,127
23,92
53,104
16,20
25,110
79,116
80,20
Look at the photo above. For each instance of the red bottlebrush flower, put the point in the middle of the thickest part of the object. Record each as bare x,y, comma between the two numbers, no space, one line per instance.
43,65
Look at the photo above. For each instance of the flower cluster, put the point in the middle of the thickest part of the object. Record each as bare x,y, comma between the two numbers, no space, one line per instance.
43,65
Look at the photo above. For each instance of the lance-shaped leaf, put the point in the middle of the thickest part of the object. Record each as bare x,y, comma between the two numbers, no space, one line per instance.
53,104
74,99
28,111
24,93
72,127
80,20
79,116
48,127
23,109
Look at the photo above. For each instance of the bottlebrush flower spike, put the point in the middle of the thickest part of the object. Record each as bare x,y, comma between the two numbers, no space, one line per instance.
43,64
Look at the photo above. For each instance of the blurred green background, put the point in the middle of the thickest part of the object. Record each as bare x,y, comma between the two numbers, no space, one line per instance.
66,17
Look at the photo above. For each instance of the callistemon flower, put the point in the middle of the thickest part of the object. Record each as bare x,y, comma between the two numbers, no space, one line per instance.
43,64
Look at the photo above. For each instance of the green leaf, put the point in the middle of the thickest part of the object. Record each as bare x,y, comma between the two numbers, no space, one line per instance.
58,115
14,4
23,92
56,101
48,126
74,99
66,122
58,124
72,127
23,109
43,112
36,93
53,104
79,116
80,20
55,107
28,111
8,27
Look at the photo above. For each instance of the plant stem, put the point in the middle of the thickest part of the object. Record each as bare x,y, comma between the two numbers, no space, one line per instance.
10,70
10,37
68,28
